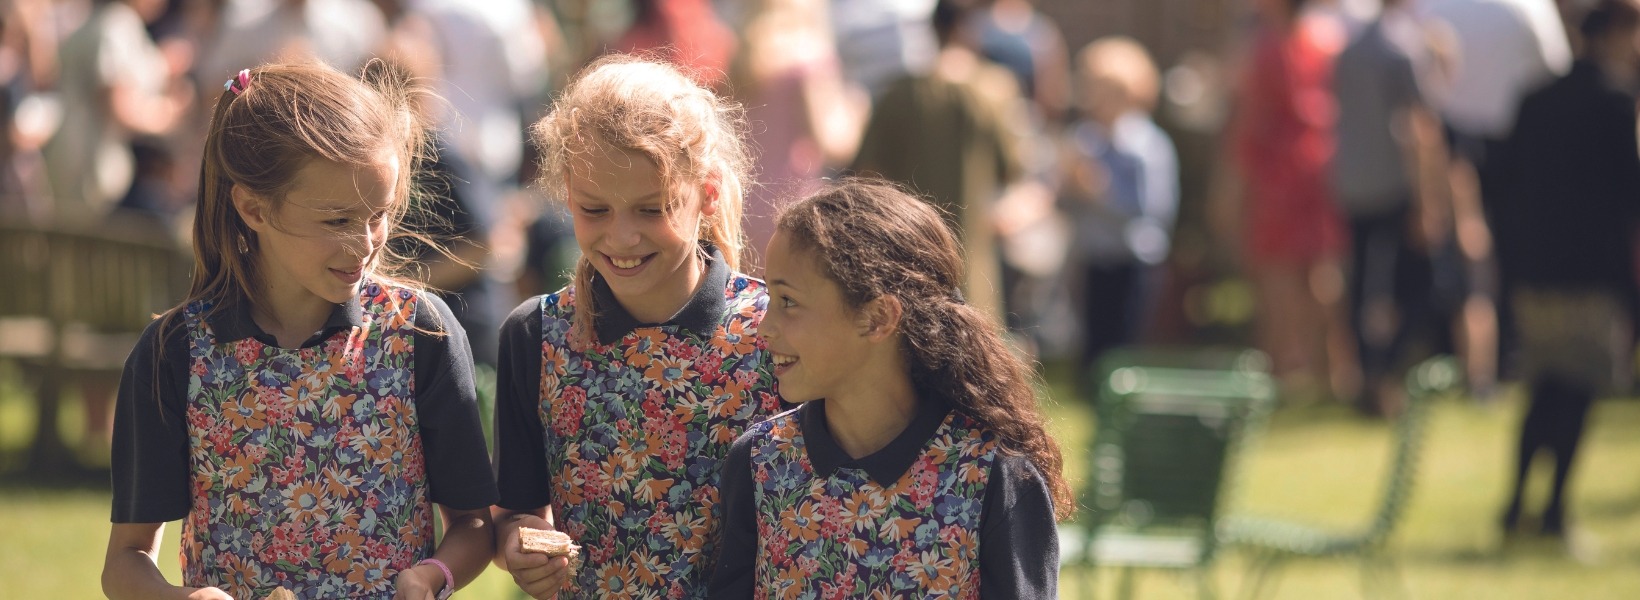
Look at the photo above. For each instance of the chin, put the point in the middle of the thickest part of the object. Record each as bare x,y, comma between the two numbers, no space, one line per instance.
629,287
337,293
795,394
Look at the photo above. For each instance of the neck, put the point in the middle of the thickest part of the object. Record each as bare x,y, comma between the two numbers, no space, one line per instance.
955,63
667,299
1618,67
290,313
868,416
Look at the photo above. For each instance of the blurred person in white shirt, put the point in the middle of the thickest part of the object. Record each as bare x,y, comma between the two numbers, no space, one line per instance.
1507,49
115,84
342,33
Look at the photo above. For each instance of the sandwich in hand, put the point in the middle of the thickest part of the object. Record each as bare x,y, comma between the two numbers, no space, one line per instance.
548,542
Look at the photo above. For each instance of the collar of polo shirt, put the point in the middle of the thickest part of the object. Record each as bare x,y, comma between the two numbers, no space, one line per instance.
700,315
885,466
232,323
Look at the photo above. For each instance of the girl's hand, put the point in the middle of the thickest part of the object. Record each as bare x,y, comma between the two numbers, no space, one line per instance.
419,583
538,575
209,593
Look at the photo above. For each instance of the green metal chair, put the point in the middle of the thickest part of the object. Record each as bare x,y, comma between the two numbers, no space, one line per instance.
1170,424
1272,542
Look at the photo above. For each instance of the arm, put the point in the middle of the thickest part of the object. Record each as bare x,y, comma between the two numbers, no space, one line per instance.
836,111
146,113
453,446
736,574
1427,170
131,573
469,541
1014,563
150,470
520,455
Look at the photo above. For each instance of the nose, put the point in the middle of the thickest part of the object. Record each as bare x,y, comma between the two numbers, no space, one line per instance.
769,329
365,243
624,232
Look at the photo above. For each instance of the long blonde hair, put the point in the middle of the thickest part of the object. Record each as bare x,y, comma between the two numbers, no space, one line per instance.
649,106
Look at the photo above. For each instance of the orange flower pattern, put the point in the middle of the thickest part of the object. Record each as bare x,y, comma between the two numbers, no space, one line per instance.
634,433
308,465
846,536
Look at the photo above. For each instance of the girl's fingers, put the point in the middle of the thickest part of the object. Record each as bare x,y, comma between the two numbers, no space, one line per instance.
542,567
546,589
519,560
544,582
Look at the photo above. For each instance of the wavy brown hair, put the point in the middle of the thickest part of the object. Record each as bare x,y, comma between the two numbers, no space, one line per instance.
873,239
644,104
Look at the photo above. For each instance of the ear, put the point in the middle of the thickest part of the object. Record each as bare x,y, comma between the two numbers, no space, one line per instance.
881,317
709,193
251,208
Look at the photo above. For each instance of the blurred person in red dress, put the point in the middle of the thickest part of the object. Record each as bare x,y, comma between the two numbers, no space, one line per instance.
686,32
804,116
1293,234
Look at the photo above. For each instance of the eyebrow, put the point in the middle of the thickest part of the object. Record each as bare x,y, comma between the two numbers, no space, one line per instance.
782,282
646,197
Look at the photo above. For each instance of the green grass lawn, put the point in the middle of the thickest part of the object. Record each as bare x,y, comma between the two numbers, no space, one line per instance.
1317,463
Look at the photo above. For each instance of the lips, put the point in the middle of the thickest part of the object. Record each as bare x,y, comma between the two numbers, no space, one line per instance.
782,362
349,277
627,265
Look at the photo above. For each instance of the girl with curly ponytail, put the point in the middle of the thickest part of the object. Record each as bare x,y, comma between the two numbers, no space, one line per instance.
918,464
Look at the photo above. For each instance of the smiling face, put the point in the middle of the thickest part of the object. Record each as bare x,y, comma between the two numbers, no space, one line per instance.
329,231
819,343
627,225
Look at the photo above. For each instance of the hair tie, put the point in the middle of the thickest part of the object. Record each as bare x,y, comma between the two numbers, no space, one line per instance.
239,83
956,296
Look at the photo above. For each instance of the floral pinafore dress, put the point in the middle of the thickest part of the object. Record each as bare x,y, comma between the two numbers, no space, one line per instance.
307,464
847,536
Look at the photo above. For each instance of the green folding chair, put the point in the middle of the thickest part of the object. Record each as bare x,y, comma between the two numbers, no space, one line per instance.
1272,543
1170,424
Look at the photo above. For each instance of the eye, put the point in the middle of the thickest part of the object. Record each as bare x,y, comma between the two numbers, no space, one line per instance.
338,222
787,302
594,212
652,212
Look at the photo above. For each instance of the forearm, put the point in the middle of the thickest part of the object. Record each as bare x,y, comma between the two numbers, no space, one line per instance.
469,541
130,574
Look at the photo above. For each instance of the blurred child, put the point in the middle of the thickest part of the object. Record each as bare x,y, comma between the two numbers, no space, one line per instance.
917,465
1123,183
304,409
619,395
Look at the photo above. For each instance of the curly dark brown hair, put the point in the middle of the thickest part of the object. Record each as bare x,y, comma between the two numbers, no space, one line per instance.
874,239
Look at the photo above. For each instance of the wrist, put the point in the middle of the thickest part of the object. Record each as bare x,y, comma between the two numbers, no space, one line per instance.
436,576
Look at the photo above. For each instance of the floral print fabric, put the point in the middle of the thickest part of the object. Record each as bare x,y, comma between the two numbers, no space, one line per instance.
634,433
847,536
308,469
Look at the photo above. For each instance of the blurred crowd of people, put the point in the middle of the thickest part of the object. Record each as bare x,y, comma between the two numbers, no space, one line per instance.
1447,176
1411,177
